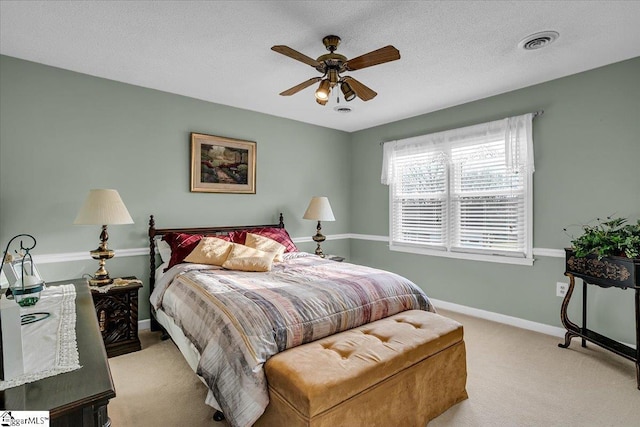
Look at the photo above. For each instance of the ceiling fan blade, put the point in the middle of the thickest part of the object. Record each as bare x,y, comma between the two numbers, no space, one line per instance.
363,92
287,51
298,88
380,56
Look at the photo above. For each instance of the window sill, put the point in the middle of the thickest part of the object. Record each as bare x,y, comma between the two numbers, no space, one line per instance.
463,255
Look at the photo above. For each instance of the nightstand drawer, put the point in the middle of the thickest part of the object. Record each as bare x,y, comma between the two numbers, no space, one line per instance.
117,312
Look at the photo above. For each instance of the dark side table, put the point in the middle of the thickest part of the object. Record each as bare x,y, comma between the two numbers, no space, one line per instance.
610,272
117,312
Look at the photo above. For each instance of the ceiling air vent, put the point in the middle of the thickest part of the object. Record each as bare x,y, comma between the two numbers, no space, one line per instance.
538,40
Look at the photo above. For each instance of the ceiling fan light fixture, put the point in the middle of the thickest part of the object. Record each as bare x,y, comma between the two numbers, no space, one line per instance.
332,64
347,91
322,93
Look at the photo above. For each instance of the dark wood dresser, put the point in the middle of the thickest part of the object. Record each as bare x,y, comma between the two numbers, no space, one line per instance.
78,398
117,312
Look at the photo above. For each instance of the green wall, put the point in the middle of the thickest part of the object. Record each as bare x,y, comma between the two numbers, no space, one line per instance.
62,133
587,154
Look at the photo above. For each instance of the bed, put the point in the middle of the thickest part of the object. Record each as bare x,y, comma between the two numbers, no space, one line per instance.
229,321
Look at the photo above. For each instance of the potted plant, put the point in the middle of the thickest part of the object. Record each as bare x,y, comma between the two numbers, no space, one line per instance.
607,252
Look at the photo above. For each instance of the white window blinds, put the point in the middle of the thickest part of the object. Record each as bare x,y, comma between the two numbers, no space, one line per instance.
464,190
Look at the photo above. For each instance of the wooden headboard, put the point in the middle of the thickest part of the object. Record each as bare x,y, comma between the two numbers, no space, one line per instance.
210,231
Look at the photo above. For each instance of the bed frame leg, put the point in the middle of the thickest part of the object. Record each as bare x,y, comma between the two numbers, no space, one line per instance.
218,416
156,326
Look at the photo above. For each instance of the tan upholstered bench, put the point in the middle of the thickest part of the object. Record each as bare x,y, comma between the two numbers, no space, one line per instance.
400,371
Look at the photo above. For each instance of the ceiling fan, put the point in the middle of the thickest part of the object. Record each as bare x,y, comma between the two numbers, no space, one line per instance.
332,65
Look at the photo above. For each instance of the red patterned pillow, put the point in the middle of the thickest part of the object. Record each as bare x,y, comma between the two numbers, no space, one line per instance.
182,244
280,235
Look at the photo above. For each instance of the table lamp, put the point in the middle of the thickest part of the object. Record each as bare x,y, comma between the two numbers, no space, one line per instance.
319,209
102,207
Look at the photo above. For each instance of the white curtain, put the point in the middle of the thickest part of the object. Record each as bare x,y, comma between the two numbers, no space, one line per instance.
516,132
519,143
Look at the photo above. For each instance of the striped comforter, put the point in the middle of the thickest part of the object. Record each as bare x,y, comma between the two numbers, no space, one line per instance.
238,320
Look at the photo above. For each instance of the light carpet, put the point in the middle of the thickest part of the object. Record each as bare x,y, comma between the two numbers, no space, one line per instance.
515,378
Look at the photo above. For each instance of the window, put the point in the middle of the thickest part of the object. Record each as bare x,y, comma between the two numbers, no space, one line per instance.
464,193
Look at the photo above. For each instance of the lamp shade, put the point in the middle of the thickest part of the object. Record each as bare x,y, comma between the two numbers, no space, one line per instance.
319,209
103,207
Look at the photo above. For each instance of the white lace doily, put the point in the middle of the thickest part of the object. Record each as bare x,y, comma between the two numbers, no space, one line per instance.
116,284
49,346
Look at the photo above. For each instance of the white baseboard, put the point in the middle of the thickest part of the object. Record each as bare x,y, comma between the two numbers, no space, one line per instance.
504,319
144,324
500,318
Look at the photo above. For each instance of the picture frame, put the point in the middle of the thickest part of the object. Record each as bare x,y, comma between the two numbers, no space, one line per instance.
222,165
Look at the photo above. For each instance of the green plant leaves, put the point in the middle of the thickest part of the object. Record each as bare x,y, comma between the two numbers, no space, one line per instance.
609,238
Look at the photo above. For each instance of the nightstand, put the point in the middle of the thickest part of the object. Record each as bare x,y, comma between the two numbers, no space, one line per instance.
334,258
117,311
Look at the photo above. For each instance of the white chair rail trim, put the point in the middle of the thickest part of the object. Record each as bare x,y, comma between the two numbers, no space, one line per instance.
84,256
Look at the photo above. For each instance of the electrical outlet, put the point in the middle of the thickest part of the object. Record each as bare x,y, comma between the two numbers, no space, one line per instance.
561,289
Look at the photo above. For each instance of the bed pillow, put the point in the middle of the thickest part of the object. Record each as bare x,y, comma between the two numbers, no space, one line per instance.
182,244
210,250
265,244
244,258
280,235
164,250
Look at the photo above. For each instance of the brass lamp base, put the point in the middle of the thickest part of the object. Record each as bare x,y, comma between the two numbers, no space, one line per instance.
319,238
102,253
101,276
94,281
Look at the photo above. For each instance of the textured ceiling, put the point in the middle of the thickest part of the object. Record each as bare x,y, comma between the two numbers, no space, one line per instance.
452,51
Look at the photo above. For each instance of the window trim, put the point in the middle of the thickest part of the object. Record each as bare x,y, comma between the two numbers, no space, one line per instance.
504,257
465,255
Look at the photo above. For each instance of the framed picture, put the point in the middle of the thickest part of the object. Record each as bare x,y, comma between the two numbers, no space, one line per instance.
222,165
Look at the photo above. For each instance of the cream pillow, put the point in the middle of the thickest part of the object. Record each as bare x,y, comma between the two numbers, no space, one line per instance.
210,250
244,258
265,244
164,249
